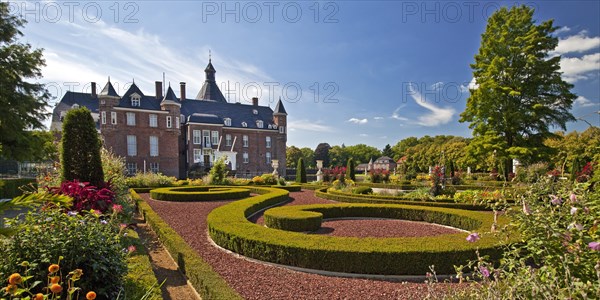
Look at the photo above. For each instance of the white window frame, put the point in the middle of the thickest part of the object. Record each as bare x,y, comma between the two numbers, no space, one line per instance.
214,135
153,145
268,157
245,141
153,120
103,117
245,157
130,118
259,124
197,137
131,145
281,129
228,140
113,117
197,158
131,168
206,138
268,141
177,122
244,124
169,122
227,121
154,167
135,101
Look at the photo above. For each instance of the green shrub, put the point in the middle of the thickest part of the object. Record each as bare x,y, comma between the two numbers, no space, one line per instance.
229,228
199,193
289,188
350,169
301,171
10,188
140,279
80,148
284,219
281,181
268,179
150,179
218,172
203,278
365,190
83,241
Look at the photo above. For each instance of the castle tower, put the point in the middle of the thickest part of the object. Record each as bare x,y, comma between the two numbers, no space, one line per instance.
280,119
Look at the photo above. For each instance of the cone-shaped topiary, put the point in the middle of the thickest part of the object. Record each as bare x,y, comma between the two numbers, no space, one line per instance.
350,170
80,152
300,171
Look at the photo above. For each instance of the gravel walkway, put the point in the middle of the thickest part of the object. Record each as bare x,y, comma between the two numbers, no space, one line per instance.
257,281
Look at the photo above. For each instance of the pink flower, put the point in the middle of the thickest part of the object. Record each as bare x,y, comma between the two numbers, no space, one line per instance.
131,249
97,212
484,271
117,208
573,197
594,246
122,226
573,210
555,200
473,237
526,209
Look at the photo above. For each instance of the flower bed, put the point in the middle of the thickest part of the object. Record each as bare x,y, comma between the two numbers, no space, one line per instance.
199,193
229,228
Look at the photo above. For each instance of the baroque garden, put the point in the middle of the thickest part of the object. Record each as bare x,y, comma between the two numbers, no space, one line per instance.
511,213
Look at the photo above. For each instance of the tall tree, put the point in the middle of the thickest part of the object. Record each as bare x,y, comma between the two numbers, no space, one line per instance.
301,171
520,92
322,153
292,154
24,104
337,156
350,170
80,153
309,157
387,151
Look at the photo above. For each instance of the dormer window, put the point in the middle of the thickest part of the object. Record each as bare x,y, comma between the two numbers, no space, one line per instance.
254,111
259,124
270,126
135,100
227,121
274,126
75,106
244,124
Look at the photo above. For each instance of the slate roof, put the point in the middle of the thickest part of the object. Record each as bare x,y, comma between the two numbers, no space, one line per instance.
279,109
385,160
210,92
109,90
204,118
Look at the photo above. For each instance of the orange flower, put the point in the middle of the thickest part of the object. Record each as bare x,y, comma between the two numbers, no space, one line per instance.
54,279
15,279
90,296
56,288
11,289
39,296
53,268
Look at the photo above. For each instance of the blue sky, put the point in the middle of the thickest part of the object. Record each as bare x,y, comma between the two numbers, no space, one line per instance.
349,72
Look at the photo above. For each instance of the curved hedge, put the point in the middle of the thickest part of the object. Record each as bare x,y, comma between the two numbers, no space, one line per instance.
292,219
199,193
289,188
230,229
358,198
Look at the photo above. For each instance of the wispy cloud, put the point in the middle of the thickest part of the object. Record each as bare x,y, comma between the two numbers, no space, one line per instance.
396,114
436,116
437,86
358,121
562,29
577,43
575,68
378,118
307,125
363,135
582,101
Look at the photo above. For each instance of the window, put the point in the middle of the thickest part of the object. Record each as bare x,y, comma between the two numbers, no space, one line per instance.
197,155
246,159
131,168
268,156
197,139
244,124
268,140
153,146
228,140
177,122
75,106
169,123
259,124
154,167
245,141
103,117
227,122
153,120
131,145
113,117
215,137
254,111
281,129
135,101
130,119
206,138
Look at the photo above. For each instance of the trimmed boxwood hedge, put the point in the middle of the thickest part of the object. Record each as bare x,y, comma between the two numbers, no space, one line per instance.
289,188
229,228
293,220
325,193
199,193
204,279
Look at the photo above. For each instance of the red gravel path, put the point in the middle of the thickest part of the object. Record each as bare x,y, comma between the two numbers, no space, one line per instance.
382,228
257,281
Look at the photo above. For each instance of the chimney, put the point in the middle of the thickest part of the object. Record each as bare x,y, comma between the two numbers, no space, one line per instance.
255,101
159,89
94,94
182,91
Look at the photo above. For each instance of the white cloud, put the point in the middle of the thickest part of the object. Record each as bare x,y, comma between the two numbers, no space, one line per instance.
358,121
437,86
363,135
562,29
577,43
396,114
306,125
378,118
436,116
582,101
473,84
575,68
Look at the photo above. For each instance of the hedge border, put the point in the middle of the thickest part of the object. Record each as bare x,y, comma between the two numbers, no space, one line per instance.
199,193
230,229
382,199
208,283
289,188
140,276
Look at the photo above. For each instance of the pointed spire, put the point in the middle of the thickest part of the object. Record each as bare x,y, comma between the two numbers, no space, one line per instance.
109,90
170,96
279,109
210,90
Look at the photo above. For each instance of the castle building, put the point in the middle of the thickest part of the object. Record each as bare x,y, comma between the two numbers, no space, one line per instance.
181,137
